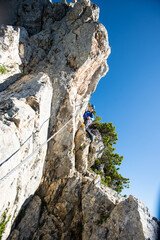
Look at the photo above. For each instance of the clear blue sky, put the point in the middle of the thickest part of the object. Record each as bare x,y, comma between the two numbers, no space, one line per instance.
129,95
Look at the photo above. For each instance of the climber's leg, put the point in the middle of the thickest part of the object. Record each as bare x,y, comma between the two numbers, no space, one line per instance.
87,124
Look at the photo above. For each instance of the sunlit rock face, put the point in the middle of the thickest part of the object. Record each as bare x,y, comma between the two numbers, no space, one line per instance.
54,56
25,110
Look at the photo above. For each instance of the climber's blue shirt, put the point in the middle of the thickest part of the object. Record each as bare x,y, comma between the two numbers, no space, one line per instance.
88,114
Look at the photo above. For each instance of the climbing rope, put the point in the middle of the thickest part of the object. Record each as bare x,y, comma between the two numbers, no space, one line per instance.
37,150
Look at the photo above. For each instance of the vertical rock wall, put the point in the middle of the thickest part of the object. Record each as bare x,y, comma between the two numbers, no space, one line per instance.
62,50
24,119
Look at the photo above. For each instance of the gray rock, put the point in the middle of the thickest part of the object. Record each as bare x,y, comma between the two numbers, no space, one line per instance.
96,149
29,224
14,235
97,204
85,151
24,115
62,49
82,144
9,54
47,228
129,220
63,199
25,13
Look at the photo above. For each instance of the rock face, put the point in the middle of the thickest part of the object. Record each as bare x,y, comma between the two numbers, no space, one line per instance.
9,54
62,50
24,119
86,153
131,220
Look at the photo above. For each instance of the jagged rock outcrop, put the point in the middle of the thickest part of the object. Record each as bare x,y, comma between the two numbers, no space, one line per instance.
86,153
83,208
62,50
131,220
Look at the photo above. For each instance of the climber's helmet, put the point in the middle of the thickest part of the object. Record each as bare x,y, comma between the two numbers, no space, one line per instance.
93,106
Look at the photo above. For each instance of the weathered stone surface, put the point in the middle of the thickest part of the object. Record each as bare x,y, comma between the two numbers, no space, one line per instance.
31,217
29,224
62,217
48,229
9,54
96,149
75,60
130,219
53,13
83,208
26,13
65,46
86,151
76,209
82,144
24,119
8,12
97,204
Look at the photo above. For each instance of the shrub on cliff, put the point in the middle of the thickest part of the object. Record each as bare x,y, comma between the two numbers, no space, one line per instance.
3,222
110,160
3,70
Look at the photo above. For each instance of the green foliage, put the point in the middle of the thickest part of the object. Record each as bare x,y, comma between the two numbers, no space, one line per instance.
82,146
104,218
3,70
97,119
3,222
110,159
22,74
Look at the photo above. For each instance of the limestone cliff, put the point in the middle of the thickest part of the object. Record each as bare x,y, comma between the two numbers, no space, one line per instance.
54,56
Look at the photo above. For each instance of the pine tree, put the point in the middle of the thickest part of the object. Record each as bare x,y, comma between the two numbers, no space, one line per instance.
109,159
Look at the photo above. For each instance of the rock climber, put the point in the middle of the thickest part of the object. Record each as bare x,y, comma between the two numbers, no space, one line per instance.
88,120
